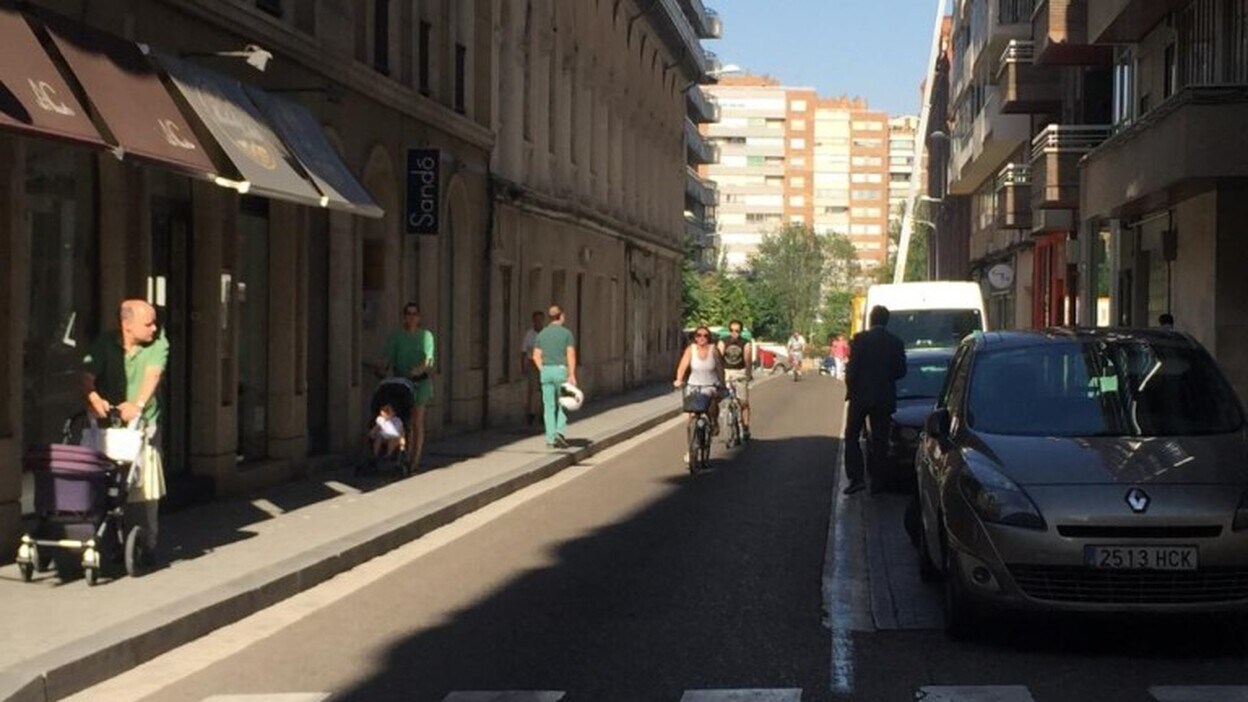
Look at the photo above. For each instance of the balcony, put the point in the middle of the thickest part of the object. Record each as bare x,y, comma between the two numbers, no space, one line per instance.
1055,155
979,153
705,20
714,25
1059,30
698,150
1025,87
675,29
1014,196
1008,20
713,64
703,108
1193,139
1126,21
701,190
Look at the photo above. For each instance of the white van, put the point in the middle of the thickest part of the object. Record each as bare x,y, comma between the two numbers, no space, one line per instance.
929,315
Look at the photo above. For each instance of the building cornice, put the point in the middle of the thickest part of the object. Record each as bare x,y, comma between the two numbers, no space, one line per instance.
264,29
567,210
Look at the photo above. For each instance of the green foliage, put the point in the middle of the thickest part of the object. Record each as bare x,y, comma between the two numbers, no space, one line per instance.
793,271
714,299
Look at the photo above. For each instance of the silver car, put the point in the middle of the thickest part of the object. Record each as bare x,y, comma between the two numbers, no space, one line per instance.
1099,470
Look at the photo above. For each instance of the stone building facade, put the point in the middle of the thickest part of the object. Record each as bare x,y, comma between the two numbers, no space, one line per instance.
555,131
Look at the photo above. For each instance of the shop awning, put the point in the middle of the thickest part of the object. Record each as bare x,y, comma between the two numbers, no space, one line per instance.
126,93
264,165
301,131
34,97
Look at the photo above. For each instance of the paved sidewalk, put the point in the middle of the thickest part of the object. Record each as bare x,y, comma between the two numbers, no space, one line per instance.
232,558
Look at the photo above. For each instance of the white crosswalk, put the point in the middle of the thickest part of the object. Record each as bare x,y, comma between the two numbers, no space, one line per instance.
930,693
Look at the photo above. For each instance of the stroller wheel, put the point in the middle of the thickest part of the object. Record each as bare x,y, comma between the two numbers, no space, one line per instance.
27,570
136,552
92,575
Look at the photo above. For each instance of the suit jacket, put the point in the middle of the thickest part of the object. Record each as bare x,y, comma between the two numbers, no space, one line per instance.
877,359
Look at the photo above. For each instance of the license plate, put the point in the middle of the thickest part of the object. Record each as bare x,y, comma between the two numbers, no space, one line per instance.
1141,557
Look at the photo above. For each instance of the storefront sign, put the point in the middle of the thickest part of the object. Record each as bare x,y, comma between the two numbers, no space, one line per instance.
423,189
1001,276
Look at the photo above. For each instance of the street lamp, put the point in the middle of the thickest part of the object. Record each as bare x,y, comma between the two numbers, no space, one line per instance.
256,56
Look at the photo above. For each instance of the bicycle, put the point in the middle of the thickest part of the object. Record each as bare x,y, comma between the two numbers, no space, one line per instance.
698,404
732,409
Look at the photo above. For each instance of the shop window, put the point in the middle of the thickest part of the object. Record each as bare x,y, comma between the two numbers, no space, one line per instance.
63,315
505,305
424,57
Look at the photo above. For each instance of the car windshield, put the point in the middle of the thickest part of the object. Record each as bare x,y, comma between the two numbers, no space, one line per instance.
924,378
934,328
1105,387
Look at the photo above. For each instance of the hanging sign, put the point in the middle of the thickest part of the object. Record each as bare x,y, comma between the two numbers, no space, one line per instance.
423,190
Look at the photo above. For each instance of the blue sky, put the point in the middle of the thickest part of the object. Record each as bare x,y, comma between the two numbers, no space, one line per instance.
876,49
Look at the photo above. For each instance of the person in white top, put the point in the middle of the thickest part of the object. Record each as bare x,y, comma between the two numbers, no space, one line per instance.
796,345
533,398
705,366
387,433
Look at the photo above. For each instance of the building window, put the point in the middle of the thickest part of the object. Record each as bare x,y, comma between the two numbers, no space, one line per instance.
797,144
381,36
527,73
273,7
461,77
797,106
426,52
504,289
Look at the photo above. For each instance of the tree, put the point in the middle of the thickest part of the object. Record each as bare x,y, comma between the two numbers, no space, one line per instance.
794,267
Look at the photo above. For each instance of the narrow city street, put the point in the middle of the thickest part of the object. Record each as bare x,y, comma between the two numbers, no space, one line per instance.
626,579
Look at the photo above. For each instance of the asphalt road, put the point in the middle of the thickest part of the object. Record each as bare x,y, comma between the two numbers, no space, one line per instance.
627,579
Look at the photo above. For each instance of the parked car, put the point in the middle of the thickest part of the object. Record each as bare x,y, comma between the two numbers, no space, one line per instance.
1090,470
773,357
916,398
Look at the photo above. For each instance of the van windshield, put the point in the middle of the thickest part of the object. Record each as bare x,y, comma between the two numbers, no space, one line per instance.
925,329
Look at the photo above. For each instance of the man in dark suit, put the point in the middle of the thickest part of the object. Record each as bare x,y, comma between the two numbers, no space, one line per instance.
877,359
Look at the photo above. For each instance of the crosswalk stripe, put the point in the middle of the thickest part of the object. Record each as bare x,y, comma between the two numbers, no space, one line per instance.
974,693
742,696
271,697
1200,693
506,696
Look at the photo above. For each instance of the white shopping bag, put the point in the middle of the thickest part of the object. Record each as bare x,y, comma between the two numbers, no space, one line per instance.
121,444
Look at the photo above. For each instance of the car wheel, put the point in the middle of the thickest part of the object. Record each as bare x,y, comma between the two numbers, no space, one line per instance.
959,620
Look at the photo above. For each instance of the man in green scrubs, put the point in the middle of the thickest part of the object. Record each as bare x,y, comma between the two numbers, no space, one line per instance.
122,371
554,354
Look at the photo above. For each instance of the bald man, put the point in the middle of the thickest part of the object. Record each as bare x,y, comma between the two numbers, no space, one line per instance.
122,371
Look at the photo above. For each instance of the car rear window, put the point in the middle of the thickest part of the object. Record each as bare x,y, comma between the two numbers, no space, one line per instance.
1116,387
924,378
935,329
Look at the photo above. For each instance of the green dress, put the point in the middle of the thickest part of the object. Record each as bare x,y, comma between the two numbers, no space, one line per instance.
405,351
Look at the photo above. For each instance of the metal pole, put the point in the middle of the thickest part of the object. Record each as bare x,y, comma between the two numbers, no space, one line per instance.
920,148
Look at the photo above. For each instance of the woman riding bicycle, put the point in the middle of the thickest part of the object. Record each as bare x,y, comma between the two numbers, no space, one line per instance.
705,366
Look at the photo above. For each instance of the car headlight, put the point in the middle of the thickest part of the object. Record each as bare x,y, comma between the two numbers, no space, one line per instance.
1241,514
997,499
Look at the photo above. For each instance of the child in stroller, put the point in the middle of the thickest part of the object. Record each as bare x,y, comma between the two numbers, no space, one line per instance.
391,407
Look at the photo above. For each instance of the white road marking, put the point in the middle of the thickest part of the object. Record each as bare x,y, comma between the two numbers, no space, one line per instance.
742,696
271,697
974,693
505,696
846,592
1200,693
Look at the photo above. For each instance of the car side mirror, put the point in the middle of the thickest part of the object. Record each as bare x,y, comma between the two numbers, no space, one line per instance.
939,424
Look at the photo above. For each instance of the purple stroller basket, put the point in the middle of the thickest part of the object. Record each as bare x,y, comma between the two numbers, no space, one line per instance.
70,479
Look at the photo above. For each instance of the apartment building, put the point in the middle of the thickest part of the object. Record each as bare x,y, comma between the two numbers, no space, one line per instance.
701,194
1163,200
984,139
901,155
482,159
790,156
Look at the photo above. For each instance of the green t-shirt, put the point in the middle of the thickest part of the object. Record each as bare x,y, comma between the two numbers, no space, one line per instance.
406,350
119,376
554,342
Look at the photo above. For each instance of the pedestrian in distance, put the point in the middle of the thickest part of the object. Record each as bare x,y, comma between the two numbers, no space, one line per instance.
122,372
877,360
409,353
840,355
1166,321
533,390
554,356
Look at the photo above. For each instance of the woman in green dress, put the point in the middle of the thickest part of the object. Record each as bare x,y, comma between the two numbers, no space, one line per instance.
409,354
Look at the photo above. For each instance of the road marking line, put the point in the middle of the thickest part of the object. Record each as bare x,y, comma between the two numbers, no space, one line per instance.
742,696
505,696
1199,693
846,591
271,697
974,693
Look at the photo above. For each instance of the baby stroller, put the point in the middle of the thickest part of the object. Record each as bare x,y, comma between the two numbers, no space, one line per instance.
400,394
80,499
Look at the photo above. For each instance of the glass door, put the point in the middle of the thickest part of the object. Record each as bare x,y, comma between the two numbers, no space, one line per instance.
253,347
169,291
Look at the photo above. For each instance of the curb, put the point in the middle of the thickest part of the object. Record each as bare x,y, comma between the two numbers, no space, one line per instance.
74,667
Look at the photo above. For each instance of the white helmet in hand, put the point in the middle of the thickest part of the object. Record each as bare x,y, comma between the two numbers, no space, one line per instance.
571,397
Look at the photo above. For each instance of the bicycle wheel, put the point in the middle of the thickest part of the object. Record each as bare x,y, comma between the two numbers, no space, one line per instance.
704,453
695,445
